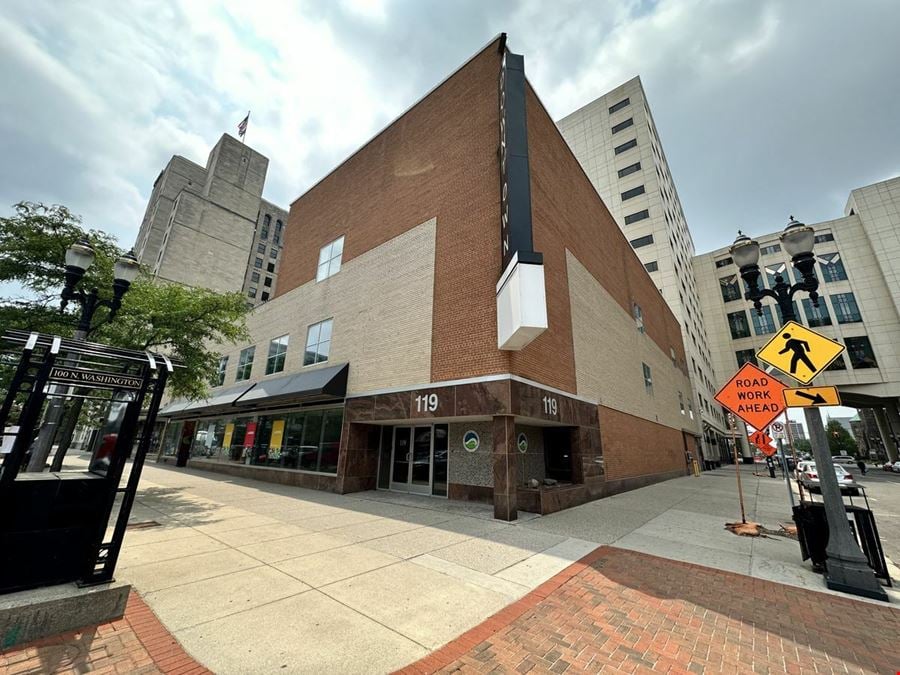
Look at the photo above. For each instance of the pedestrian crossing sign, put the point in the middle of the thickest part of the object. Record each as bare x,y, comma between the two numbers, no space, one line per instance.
800,352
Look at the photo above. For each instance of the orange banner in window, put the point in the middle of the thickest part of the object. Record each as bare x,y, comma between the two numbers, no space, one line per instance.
277,434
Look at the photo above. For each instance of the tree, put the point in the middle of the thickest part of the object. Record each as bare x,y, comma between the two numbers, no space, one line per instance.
801,446
840,442
185,323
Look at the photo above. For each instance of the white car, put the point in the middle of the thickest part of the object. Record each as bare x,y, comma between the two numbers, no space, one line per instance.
801,467
896,467
809,478
845,460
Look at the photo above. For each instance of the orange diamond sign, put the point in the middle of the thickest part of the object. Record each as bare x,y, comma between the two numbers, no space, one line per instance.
760,439
754,396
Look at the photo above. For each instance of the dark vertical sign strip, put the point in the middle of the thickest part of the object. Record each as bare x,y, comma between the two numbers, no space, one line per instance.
515,181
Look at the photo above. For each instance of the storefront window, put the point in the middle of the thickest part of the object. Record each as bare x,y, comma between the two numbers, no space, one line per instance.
208,439
171,438
312,437
439,473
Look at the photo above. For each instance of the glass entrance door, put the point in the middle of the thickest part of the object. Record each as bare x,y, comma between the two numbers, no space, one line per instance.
411,460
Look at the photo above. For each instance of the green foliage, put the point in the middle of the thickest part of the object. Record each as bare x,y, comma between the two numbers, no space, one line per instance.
840,442
801,445
181,322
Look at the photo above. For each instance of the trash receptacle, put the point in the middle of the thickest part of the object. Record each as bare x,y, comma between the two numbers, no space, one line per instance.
812,533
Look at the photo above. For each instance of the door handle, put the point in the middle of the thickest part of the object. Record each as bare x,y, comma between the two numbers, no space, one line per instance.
407,456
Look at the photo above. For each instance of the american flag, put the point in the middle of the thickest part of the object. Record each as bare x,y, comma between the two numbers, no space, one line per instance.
242,127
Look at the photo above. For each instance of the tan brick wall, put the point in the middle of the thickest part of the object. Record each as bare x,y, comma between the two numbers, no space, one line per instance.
609,351
635,447
382,316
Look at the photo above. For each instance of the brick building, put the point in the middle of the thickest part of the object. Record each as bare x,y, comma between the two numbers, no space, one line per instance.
457,315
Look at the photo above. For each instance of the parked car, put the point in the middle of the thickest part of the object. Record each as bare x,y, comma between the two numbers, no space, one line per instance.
896,467
887,466
801,467
809,478
845,460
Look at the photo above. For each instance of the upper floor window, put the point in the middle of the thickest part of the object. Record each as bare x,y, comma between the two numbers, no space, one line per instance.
681,402
279,226
730,287
273,253
258,263
637,217
219,379
773,248
251,292
746,356
264,230
845,308
642,241
638,317
627,145
245,364
633,192
268,281
651,266
628,170
318,343
832,267
737,323
623,125
724,262
270,267
264,296
827,236
780,316
277,352
763,324
254,277
330,259
816,316
859,349
260,248
618,106
648,378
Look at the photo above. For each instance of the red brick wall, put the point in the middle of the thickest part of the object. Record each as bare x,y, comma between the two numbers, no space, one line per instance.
439,159
633,446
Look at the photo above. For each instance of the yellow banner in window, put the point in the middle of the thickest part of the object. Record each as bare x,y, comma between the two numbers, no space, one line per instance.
277,434
229,431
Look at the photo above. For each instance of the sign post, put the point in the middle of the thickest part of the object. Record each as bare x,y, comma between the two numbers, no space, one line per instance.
777,429
737,467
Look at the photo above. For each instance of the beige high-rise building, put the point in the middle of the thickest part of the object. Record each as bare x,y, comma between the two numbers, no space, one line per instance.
616,142
859,303
209,226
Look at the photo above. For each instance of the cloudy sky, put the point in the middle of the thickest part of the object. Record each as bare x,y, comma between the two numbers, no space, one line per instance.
764,108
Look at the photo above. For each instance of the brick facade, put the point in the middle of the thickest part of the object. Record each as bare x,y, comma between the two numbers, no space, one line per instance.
633,447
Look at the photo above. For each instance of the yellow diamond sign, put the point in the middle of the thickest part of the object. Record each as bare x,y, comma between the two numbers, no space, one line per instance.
800,352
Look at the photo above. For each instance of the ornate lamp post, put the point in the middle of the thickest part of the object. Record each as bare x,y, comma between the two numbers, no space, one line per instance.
846,567
79,258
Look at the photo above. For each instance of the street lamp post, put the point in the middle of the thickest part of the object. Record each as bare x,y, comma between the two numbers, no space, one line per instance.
846,567
79,258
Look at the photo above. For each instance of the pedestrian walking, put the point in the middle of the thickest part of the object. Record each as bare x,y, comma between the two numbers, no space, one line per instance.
862,465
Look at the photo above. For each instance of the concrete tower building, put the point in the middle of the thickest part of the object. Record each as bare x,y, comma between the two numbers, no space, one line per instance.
618,146
209,226
859,296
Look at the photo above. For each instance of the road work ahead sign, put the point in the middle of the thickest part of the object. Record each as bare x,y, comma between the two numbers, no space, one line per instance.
800,352
753,396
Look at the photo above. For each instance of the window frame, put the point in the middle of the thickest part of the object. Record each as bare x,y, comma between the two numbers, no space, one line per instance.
277,355
317,343
633,192
632,218
245,364
328,258
640,242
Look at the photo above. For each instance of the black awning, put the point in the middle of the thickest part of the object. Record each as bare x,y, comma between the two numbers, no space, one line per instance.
218,399
318,384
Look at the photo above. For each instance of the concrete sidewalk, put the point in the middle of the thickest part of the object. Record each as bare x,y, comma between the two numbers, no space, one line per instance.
255,577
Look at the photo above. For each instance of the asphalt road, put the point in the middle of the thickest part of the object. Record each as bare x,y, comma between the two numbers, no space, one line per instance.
883,490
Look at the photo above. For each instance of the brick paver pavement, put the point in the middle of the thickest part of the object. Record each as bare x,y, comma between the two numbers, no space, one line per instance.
137,643
622,611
